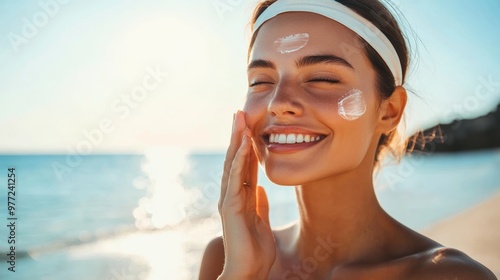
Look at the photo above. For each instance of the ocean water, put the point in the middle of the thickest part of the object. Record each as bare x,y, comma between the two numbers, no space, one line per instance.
149,216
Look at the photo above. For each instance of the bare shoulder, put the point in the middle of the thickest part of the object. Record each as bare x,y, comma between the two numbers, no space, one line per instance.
447,263
212,262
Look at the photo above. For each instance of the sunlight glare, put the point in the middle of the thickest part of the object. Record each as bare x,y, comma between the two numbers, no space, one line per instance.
163,204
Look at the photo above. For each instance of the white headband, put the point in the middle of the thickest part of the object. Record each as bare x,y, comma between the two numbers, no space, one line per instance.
345,16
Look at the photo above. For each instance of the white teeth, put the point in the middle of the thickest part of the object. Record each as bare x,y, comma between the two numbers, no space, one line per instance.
300,138
282,139
292,138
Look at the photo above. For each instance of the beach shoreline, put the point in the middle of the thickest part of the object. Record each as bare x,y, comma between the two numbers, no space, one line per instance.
474,231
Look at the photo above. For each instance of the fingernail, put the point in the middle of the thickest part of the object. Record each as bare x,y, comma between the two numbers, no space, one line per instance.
238,121
235,119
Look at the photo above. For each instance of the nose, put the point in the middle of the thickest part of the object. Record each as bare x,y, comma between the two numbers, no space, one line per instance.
285,101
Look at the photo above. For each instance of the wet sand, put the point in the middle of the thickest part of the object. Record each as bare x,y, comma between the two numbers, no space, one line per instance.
475,231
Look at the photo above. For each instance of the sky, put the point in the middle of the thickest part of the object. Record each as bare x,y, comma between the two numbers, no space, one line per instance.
126,76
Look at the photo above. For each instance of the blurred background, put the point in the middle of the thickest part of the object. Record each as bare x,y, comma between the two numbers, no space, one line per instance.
116,116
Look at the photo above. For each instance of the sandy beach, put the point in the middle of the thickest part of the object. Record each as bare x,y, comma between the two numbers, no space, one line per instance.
475,231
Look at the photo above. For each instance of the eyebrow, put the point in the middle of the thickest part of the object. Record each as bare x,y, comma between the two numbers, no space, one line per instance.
303,61
260,63
322,59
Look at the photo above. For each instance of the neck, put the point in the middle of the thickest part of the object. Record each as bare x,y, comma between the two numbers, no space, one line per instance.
343,212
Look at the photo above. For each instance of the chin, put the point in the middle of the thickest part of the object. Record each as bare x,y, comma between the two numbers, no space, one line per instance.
286,182
291,175
282,177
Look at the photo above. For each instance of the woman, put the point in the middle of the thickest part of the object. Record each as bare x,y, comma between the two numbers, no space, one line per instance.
325,97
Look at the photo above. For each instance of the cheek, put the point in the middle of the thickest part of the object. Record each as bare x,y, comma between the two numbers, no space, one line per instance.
349,106
352,106
352,118
355,128
254,108
256,116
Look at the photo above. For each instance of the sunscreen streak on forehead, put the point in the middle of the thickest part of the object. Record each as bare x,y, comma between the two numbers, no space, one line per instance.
352,105
291,43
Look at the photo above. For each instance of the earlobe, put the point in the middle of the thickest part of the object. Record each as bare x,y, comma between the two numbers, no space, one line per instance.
392,109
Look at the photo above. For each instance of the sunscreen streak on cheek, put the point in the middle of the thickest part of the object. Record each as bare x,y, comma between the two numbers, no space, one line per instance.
291,43
352,105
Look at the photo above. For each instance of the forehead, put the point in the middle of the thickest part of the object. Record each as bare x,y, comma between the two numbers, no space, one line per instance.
325,35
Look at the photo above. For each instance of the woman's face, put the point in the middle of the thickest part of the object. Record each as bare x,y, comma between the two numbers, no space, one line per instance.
302,68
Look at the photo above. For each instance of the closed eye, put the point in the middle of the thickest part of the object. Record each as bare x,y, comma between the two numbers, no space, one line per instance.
256,83
324,80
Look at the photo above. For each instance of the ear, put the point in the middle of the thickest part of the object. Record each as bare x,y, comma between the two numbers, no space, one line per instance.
391,110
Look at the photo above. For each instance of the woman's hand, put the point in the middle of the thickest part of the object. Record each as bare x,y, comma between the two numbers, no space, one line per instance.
248,239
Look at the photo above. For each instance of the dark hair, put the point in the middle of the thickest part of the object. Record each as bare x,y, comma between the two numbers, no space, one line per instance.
375,12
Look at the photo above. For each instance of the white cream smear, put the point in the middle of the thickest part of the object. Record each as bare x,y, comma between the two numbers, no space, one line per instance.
291,43
352,105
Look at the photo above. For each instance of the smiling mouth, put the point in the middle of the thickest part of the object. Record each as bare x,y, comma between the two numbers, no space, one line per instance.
293,138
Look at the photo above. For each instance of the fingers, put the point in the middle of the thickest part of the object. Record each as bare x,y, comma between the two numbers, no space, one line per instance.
239,179
236,136
253,167
262,205
237,173
251,178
